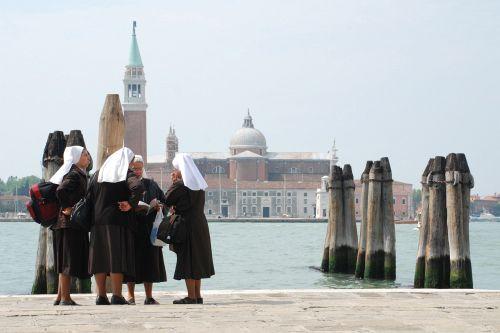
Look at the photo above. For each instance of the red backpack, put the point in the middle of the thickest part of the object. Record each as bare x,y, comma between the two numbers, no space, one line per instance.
43,206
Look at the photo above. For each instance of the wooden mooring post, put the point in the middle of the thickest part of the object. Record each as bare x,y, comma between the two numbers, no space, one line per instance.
349,239
467,185
437,253
335,217
360,262
387,215
339,255
111,128
419,277
376,257
458,184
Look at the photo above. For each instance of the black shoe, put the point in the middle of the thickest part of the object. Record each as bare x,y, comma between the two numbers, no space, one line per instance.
185,300
150,301
118,300
71,302
199,300
56,302
102,300
131,301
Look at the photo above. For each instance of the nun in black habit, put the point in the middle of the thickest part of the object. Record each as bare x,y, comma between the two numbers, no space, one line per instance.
71,245
149,265
115,196
194,256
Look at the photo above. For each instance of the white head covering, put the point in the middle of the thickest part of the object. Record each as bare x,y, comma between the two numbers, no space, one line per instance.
138,158
191,176
71,156
115,167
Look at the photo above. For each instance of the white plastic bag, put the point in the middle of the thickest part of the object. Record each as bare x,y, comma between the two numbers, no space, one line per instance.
155,241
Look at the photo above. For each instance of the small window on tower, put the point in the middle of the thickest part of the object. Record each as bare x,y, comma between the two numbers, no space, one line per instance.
134,90
139,90
129,90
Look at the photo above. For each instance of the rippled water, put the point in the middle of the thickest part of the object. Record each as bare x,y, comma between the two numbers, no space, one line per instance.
264,256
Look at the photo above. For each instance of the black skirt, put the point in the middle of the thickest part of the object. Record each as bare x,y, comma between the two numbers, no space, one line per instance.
194,256
71,252
149,264
112,250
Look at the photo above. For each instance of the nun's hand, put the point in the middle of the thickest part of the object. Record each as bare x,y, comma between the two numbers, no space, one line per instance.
67,211
124,206
159,207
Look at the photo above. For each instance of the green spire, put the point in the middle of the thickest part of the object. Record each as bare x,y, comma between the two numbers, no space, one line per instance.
134,57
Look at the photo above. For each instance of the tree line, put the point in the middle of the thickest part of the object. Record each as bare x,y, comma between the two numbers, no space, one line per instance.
23,185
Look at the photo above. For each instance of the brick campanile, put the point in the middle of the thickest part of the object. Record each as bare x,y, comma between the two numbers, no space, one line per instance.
134,101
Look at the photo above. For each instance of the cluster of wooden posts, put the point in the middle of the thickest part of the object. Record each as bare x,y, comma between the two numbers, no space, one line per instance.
374,255
443,258
111,135
339,254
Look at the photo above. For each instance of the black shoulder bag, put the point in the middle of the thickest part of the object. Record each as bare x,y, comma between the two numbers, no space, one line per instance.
172,230
81,215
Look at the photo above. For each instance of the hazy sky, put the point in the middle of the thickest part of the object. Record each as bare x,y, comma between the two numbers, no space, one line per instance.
404,79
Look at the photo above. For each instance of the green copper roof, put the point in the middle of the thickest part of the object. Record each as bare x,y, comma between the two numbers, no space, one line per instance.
134,57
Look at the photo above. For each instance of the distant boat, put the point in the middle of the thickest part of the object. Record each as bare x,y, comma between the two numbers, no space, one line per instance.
21,215
486,216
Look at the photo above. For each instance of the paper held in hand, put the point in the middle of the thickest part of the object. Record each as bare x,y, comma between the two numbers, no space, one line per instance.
146,208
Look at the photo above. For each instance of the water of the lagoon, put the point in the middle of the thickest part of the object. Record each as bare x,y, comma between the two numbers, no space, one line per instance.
264,256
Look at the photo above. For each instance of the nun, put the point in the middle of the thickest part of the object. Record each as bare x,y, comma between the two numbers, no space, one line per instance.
149,265
71,245
186,197
115,196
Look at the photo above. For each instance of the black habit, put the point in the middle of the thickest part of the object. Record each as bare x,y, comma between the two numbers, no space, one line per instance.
149,264
71,245
111,236
194,256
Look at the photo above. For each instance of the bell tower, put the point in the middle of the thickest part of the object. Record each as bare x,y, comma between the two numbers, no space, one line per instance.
172,147
134,101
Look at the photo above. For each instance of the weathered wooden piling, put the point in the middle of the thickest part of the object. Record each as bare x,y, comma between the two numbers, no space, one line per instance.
387,215
374,259
339,254
460,266
335,218
325,262
467,184
360,262
419,278
437,255
111,128
46,277
348,246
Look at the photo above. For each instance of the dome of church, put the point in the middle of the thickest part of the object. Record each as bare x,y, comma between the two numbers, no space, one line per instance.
248,136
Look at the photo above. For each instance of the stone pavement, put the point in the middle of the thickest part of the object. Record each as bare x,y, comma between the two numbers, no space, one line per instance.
367,310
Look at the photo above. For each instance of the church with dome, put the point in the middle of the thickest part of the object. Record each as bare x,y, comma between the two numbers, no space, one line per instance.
248,180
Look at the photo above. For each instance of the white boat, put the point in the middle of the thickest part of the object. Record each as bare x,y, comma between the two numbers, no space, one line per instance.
486,216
